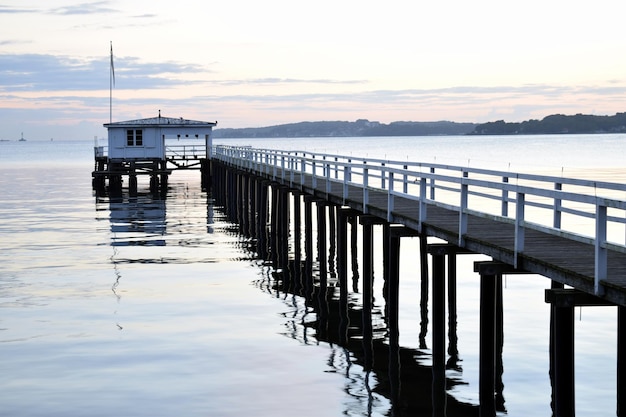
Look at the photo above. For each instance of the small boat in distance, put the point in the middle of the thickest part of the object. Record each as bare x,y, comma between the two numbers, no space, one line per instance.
22,138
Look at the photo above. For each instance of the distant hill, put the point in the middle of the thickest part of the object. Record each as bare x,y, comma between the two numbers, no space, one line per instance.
361,127
556,124
553,124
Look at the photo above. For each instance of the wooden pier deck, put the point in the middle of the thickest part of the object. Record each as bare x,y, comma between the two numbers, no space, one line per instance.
592,264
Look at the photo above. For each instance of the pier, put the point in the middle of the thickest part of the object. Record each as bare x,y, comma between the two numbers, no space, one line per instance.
570,231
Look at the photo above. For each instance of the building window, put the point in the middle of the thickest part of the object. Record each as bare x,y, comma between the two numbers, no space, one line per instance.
134,137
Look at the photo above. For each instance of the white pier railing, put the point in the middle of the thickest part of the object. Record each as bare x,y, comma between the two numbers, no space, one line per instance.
171,151
592,212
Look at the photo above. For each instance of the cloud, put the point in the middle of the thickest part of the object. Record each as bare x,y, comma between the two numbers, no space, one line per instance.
97,7
40,72
11,10
274,81
468,94
8,42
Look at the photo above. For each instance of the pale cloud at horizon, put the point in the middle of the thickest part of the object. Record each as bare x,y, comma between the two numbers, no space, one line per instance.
247,65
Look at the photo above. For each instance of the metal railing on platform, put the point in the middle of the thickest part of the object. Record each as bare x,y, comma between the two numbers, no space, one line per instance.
592,212
101,151
185,152
171,151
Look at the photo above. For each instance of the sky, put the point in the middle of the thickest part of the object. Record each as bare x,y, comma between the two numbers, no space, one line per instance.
250,63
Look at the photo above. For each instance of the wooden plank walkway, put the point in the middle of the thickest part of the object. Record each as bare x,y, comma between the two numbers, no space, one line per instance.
559,258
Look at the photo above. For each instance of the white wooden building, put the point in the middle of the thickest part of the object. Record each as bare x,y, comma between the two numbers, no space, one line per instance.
138,147
144,139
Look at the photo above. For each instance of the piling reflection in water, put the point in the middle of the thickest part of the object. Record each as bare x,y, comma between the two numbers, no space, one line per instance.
137,221
304,250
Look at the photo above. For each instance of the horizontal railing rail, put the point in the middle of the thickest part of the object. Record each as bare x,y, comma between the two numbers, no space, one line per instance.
171,151
589,211
185,151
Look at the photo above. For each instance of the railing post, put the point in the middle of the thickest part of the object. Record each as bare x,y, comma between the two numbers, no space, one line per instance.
314,174
327,178
557,208
505,198
302,171
336,168
274,166
432,184
405,180
382,175
345,186
519,227
422,203
463,210
346,178
600,272
390,197
366,196
282,167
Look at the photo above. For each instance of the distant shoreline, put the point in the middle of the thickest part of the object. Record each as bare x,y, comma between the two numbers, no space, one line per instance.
553,124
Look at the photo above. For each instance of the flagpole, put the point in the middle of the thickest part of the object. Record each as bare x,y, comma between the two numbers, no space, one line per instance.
111,80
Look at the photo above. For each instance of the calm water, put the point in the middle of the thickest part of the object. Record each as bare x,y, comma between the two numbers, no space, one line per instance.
143,307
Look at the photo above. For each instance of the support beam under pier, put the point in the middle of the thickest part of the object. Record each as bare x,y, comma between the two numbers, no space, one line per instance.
563,302
491,333
367,223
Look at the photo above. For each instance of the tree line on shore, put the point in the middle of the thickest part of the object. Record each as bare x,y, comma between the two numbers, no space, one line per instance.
553,124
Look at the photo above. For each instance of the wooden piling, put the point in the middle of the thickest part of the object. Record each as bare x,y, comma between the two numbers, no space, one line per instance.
621,361
283,231
308,246
563,302
262,204
499,366
453,350
424,291
367,223
273,235
244,225
297,240
132,185
342,273
392,278
322,254
438,253
206,172
354,251
486,388
564,399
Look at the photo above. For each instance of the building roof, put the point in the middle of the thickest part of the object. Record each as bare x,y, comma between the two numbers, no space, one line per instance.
161,121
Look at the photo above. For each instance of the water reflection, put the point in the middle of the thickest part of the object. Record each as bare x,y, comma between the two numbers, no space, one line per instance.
378,371
320,309
137,221
141,219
